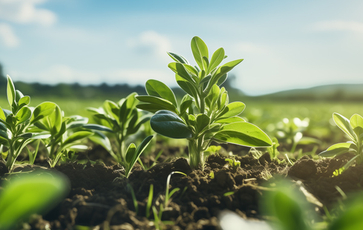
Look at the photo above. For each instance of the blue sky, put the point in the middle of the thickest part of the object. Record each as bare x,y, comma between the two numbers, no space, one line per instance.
285,44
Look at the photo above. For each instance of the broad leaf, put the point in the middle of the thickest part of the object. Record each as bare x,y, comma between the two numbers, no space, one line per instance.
102,139
29,194
159,89
188,87
42,110
111,109
200,50
243,133
157,101
130,152
76,137
97,127
356,122
336,149
23,115
217,58
170,125
230,120
181,71
222,70
202,122
24,101
344,124
232,109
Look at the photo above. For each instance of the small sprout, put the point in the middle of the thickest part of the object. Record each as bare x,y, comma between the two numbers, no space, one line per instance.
228,193
353,128
235,164
211,175
338,171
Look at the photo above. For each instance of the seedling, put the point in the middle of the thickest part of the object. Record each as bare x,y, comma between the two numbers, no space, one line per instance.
120,120
65,135
204,114
14,124
29,194
353,128
235,164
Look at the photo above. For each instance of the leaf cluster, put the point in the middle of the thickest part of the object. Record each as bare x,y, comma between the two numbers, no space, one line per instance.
119,120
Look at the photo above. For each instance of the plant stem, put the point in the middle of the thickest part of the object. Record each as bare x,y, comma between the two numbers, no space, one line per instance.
196,153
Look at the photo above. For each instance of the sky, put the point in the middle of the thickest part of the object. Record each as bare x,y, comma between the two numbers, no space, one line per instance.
285,44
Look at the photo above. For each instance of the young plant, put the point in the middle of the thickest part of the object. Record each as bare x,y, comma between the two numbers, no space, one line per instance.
353,128
204,114
120,120
65,134
15,123
235,164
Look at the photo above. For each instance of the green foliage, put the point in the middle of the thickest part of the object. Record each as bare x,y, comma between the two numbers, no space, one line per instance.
235,164
65,134
15,134
204,113
28,194
353,128
120,120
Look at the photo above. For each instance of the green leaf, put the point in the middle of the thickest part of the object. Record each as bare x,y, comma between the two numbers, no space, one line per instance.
232,109
336,149
96,127
42,110
24,101
185,104
157,101
10,91
188,87
23,115
222,79
112,109
55,120
134,155
130,152
200,50
243,133
230,120
102,139
217,58
76,137
181,71
344,124
128,106
202,121
30,193
2,115
159,89
222,70
178,58
356,122
170,125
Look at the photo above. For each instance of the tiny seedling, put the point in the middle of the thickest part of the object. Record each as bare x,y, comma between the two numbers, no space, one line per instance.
30,193
204,114
235,164
120,120
353,128
15,123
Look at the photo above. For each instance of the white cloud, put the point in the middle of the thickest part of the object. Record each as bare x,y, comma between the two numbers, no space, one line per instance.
339,25
25,11
152,42
7,36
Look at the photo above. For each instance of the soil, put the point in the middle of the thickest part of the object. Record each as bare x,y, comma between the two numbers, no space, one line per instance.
101,197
